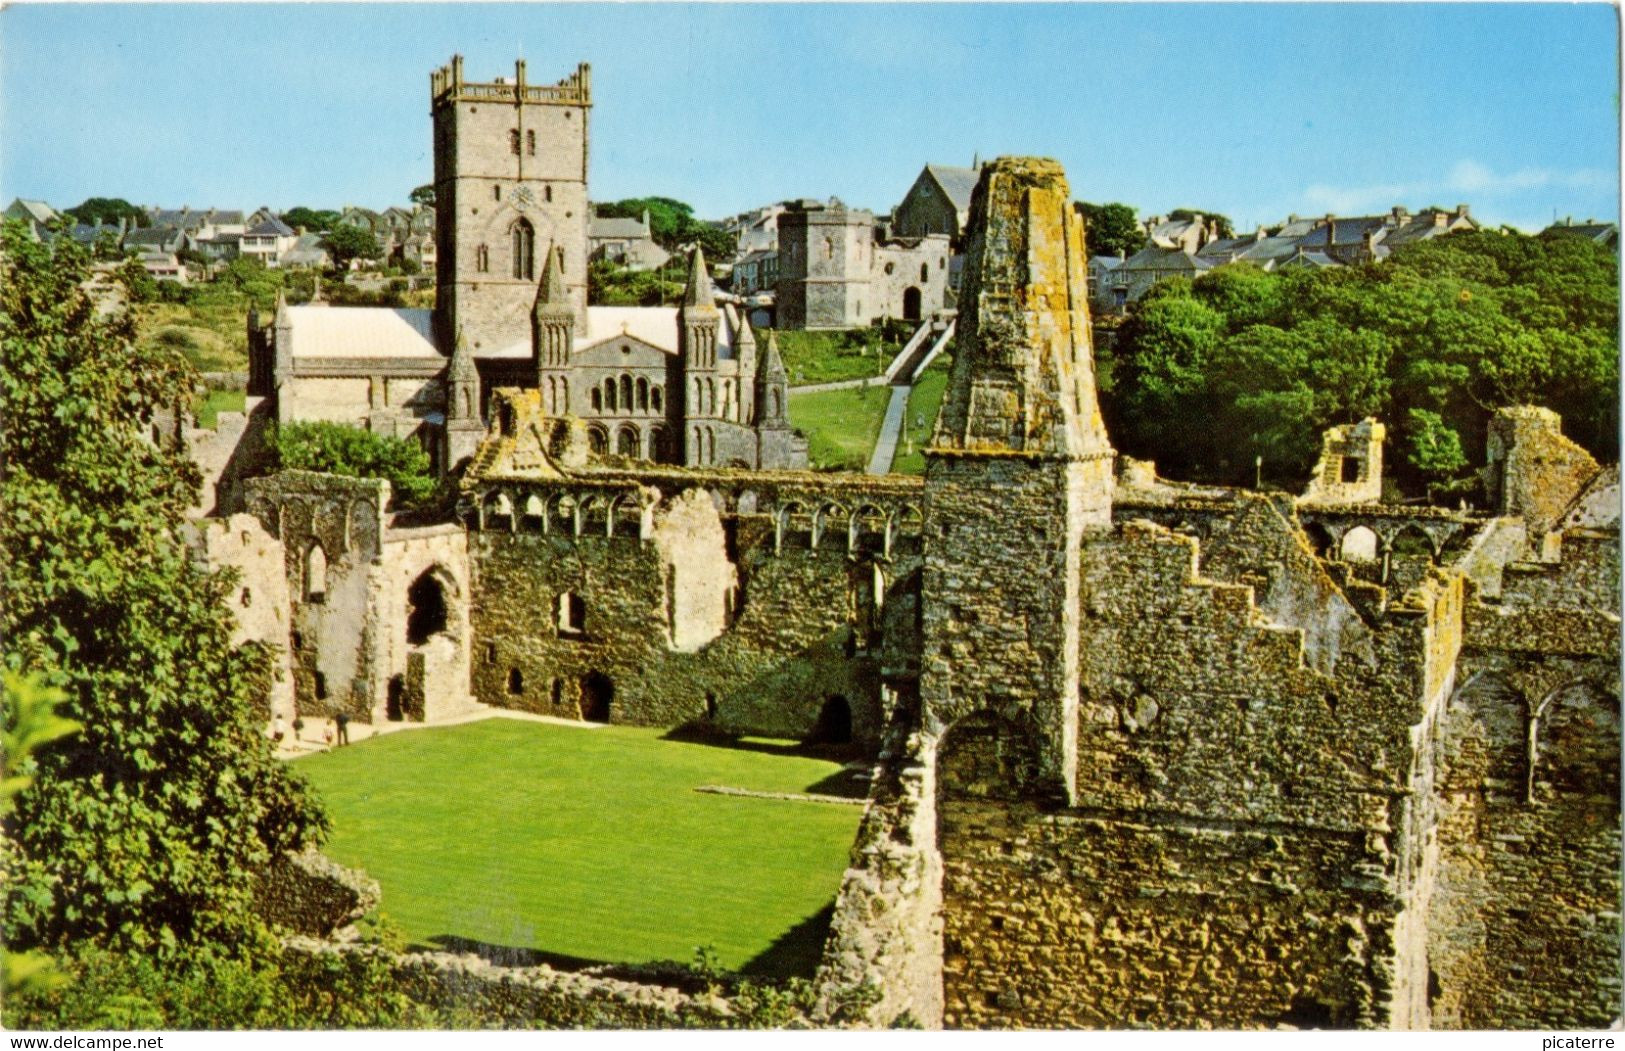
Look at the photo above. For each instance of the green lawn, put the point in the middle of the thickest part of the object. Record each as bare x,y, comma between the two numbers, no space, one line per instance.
923,403
841,425
208,408
590,844
828,357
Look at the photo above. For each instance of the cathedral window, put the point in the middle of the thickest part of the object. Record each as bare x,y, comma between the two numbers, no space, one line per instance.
643,394
626,393
513,142
657,398
610,401
530,143
524,251
597,400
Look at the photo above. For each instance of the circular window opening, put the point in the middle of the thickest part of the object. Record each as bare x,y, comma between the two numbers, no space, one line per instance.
890,267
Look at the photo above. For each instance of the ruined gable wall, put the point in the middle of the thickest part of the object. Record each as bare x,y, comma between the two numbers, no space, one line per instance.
333,638
406,556
259,603
1524,927
1247,845
225,455
792,642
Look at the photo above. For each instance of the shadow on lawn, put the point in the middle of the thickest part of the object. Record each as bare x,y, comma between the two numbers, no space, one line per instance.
701,733
796,952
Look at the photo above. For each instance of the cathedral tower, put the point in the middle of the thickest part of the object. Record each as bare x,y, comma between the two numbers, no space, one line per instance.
510,178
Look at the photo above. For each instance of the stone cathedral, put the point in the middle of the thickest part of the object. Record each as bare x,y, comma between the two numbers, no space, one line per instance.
676,385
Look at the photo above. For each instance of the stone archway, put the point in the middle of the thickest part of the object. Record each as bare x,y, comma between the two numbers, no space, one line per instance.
426,608
834,724
911,304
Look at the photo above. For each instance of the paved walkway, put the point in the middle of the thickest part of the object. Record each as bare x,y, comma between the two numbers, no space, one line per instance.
311,740
814,388
890,430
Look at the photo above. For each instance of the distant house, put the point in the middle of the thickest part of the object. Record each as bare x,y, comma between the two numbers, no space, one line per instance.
1191,247
756,271
1605,234
307,253
157,240
36,215
937,203
625,241
268,242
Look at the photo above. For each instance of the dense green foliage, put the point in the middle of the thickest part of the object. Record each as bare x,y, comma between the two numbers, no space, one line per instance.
612,285
1110,229
422,194
1187,214
672,225
335,448
142,830
108,210
1208,375
345,243
597,845
314,220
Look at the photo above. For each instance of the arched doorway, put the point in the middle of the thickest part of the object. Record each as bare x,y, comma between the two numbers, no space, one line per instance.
911,304
834,722
597,694
425,609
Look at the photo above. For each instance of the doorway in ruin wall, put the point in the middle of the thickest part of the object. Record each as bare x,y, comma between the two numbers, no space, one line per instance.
597,694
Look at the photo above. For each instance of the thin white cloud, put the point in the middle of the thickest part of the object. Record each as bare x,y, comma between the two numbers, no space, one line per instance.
1467,177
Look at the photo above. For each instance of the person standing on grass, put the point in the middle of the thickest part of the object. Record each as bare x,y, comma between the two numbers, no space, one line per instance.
342,720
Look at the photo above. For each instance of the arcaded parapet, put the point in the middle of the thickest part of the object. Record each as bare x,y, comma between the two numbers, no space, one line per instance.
1350,467
1524,927
1532,470
599,597
1247,847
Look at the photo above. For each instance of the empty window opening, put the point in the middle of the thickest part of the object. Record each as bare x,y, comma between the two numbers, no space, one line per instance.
597,694
516,682
524,251
556,691
490,653
394,710
298,642
321,686
248,598
834,722
315,574
627,442
547,194
496,193
572,614
925,272
425,609
482,259
530,143
513,142
1351,469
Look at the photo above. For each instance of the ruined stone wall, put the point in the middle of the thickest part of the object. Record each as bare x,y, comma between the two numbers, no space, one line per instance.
1585,574
1248,841
259,604
334,631
1532,470
796,635
234,449
407,556
1524,926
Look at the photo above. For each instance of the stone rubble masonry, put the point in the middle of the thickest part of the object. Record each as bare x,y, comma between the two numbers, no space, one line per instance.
309,893
1350,467
259,604
1533,471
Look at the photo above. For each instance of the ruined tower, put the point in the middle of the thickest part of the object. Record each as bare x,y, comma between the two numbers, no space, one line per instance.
1018,468
510,177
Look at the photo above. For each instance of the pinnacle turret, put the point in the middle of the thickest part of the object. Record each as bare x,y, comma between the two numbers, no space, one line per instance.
772,361
699,293
552,297
462,361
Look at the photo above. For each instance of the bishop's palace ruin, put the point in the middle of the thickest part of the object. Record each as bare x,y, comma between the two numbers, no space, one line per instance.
1146,754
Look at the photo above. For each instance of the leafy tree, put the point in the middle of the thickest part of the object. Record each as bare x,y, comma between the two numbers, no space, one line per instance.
422,195
139,285
1433,340
144,829
312,219
335,448
1187,214
250,278
672,225
609,284
106,246
1110,229
108,210
351,242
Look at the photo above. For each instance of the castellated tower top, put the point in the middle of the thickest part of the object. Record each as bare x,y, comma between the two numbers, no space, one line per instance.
446,84
1024,374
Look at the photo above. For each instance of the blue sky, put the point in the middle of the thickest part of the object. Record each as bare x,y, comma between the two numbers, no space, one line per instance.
1255,111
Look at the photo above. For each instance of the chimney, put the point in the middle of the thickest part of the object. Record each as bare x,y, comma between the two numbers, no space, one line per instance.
1331,229
1441,219
1462,212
